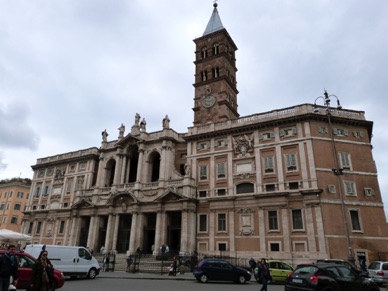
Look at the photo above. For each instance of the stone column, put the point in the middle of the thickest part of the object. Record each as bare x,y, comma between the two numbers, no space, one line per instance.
232,235
212,225
132,239
92,232
262,236
140,163
123,171
115,231
193,231
185,230
108,237
286,229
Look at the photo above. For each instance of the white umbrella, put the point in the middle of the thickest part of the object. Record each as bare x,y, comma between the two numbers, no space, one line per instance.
10,235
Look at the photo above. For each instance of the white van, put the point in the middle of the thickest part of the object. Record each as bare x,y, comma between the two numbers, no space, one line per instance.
71,261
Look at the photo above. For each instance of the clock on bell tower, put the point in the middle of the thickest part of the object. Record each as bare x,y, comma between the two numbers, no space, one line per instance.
215,97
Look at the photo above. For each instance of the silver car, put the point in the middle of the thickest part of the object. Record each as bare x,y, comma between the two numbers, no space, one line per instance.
378,271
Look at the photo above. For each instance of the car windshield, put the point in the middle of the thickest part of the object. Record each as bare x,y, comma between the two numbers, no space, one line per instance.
374,266
305,270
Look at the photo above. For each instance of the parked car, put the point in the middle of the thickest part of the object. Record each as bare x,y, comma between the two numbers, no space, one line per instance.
220,270
378,271
278,270
325,276
26,261
346,264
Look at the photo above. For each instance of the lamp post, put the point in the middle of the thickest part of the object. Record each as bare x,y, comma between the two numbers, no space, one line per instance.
337,170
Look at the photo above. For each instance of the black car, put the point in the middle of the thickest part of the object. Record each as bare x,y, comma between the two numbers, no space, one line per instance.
346,264
220,270
328,277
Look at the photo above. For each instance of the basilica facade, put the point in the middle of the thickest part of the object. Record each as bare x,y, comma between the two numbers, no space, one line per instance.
296,183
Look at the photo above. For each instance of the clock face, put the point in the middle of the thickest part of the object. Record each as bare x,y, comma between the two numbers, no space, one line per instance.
209,101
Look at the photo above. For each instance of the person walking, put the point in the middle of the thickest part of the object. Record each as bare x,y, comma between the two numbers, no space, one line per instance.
8,267
42,273
252,265
263,274
129,262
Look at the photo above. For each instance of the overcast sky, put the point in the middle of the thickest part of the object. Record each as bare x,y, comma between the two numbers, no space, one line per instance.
71,68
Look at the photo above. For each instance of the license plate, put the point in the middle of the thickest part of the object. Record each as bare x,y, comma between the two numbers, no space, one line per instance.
299,281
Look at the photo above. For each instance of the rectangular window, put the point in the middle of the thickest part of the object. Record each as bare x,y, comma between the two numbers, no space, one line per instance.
350,188
354,216
270,187
222,248
4,219
62,227
274,247
266,135
221,143
46,190
291,163
273,220
221,222
269,164
203,222
221,170
288,132
202,194
14,220
293,185
297,221
369,192
2,206
20,195
10,194
221,192
17,206
37,192
340,132
38,227
345,160
7,206
30,228
203,172
68,187
331,188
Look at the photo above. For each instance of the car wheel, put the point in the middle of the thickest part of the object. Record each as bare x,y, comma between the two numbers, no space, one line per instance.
204,278
92,273
242,279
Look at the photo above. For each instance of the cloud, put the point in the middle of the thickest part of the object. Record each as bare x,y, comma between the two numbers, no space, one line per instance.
15,131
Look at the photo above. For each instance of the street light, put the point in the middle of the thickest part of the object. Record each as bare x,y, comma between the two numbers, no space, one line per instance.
338,171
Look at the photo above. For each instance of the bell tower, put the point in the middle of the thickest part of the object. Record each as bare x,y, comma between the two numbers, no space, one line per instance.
215,97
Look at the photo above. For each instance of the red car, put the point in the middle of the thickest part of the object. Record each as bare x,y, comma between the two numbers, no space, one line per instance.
26,262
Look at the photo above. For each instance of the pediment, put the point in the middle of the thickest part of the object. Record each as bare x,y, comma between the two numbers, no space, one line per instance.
169,196
129,139
85,202
120,198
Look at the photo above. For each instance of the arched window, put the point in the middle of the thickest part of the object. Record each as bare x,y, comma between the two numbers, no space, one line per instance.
216,72
154,160
204,53
110,173
216,49
245,188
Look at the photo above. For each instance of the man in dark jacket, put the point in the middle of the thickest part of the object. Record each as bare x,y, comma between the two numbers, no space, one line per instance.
8,268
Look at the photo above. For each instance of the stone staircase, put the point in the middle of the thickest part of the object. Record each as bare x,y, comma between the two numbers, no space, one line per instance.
146,264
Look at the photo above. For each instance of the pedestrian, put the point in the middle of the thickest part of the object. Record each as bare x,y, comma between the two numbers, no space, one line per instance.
263,274
8,268
252,264
102,250
42,273
174,266
129,262
105,263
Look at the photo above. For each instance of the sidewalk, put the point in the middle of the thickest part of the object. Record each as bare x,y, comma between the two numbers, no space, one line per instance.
148,276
